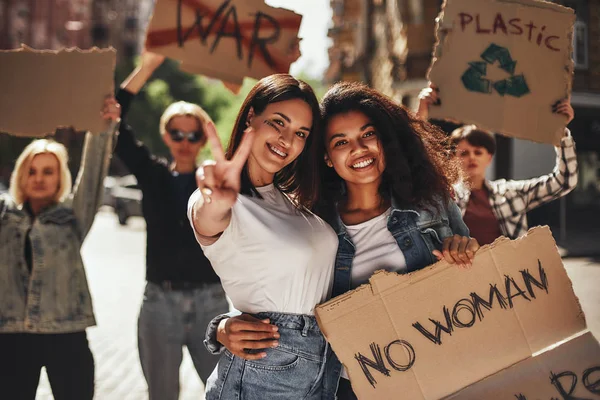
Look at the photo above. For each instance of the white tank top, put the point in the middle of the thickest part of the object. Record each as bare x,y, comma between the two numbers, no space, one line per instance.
376,249
273,257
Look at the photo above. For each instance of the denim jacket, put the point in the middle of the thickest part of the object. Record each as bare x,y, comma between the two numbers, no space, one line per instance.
54,297
417,231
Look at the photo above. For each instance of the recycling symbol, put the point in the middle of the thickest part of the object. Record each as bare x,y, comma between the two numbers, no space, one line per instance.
474,78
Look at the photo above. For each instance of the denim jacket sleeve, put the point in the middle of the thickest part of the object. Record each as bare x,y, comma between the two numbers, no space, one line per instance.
87,193
455,220
210,339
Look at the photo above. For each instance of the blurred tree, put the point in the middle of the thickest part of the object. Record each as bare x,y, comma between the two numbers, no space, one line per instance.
167,85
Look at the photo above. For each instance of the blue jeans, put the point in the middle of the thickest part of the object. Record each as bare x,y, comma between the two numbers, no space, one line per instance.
168,321
293,370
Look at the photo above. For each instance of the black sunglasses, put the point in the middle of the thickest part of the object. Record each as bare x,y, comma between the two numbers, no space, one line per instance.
192,137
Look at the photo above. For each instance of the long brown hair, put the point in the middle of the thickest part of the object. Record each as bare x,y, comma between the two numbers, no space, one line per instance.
299,178
420,169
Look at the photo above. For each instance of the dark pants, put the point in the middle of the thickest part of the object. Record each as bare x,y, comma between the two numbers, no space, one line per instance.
67,357
344,391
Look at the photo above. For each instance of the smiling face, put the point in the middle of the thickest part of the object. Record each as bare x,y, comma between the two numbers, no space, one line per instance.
42,180
474,159
281,133
353,149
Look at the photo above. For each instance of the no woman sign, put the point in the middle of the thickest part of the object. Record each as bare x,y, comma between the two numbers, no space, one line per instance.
491,332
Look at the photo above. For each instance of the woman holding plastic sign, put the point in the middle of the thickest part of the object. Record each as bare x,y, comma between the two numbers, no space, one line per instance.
387,193
495,208
46,303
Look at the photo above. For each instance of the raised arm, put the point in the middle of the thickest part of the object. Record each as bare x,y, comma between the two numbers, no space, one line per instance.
428,97
133,153
562,180
97,149
219,183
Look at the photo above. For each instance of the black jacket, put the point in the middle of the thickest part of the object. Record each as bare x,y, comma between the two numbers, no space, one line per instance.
172,253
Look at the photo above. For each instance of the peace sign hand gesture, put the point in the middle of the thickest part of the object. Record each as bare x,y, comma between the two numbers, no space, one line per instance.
219,180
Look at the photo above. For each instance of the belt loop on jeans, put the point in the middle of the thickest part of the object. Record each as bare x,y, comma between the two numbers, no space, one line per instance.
306,325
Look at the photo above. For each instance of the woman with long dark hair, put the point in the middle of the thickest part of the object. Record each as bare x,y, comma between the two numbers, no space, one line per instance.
386,188
387,192
274,257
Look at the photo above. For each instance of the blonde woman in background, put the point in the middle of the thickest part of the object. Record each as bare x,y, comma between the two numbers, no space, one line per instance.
46,303
182,292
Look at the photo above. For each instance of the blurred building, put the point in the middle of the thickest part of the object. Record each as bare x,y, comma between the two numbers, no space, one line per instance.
55,24
121,24
44,24
388,44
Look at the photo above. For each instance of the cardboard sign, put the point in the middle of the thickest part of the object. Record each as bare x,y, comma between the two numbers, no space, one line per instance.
433,332
225,39
570,371
45,89
502,64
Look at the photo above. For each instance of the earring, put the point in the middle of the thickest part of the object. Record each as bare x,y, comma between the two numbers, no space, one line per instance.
329,163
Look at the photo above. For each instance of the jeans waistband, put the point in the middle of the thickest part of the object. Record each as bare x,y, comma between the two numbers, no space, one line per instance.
182,285
301,322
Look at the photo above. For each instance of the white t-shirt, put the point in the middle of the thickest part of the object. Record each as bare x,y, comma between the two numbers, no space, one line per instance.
376,249
273,257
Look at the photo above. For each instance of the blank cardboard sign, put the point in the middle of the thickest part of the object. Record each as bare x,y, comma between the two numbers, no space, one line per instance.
434,332
502,64
225,39
45,89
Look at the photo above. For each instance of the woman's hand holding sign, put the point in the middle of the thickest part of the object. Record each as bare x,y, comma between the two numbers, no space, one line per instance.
564,107
458,250
428,97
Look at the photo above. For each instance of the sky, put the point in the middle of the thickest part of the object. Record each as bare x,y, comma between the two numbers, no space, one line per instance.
316,19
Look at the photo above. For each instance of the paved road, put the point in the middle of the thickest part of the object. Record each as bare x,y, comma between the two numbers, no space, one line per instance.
114,258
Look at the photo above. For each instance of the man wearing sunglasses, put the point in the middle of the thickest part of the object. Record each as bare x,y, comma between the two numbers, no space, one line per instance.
182,292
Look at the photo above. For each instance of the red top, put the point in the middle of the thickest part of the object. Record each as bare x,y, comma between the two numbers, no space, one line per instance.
480,218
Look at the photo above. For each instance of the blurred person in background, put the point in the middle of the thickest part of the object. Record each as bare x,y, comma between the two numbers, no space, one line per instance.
499,208
182,292
46,302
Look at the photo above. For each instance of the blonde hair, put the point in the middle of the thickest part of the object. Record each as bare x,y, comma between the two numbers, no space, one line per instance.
19,174
183,109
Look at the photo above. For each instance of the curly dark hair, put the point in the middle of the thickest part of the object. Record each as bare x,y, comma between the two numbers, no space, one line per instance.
298,178
420,168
